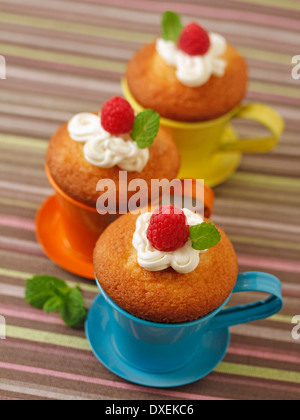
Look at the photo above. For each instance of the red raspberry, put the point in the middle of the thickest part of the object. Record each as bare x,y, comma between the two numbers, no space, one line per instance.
168,229
194,40
117,116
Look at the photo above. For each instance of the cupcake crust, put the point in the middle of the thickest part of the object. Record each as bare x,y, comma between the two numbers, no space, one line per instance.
164,296
154,84
78,178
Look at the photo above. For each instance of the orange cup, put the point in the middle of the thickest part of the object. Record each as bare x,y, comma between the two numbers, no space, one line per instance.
82,224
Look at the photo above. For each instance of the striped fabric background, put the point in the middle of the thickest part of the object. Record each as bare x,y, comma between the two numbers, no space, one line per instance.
67,56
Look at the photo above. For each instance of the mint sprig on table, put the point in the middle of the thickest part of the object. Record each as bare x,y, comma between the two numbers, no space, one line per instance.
204,236
54,295
171,26
145,128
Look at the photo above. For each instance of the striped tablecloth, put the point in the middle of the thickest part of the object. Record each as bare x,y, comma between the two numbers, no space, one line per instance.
66,56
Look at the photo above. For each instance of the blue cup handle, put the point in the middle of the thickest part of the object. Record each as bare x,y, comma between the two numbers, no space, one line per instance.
252,282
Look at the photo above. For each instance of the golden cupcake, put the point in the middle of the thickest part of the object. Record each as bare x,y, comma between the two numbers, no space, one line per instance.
188,74
96,146
169,266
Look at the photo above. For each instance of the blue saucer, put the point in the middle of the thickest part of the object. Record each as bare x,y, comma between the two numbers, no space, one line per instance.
101,341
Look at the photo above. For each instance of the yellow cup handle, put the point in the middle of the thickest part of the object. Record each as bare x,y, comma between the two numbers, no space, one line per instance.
266,116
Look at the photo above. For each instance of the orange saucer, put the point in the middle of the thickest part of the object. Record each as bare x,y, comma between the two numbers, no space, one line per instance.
52,237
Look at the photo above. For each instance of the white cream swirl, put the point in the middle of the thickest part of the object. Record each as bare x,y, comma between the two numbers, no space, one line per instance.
195,71
85,126
116,151
184,260
104,150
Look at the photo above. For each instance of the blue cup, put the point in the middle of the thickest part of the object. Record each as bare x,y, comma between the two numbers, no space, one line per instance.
163,348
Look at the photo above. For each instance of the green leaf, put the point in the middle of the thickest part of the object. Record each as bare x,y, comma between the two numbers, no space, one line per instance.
60,290
40,289
53,295
73,312
204,236
171,26
145,128
54,304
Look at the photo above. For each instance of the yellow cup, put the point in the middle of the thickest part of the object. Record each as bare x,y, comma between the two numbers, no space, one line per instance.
212,150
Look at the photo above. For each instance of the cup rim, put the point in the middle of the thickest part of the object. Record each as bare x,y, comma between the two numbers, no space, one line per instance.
161,325
166,122
64,195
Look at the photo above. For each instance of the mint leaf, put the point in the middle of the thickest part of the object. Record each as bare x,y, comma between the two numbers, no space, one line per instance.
145,128
204,236
73,312
59,290
54,295
171,26
54,304
40,289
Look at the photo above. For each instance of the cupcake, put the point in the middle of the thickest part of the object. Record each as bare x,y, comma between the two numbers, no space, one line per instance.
169,266
96,146
188,74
